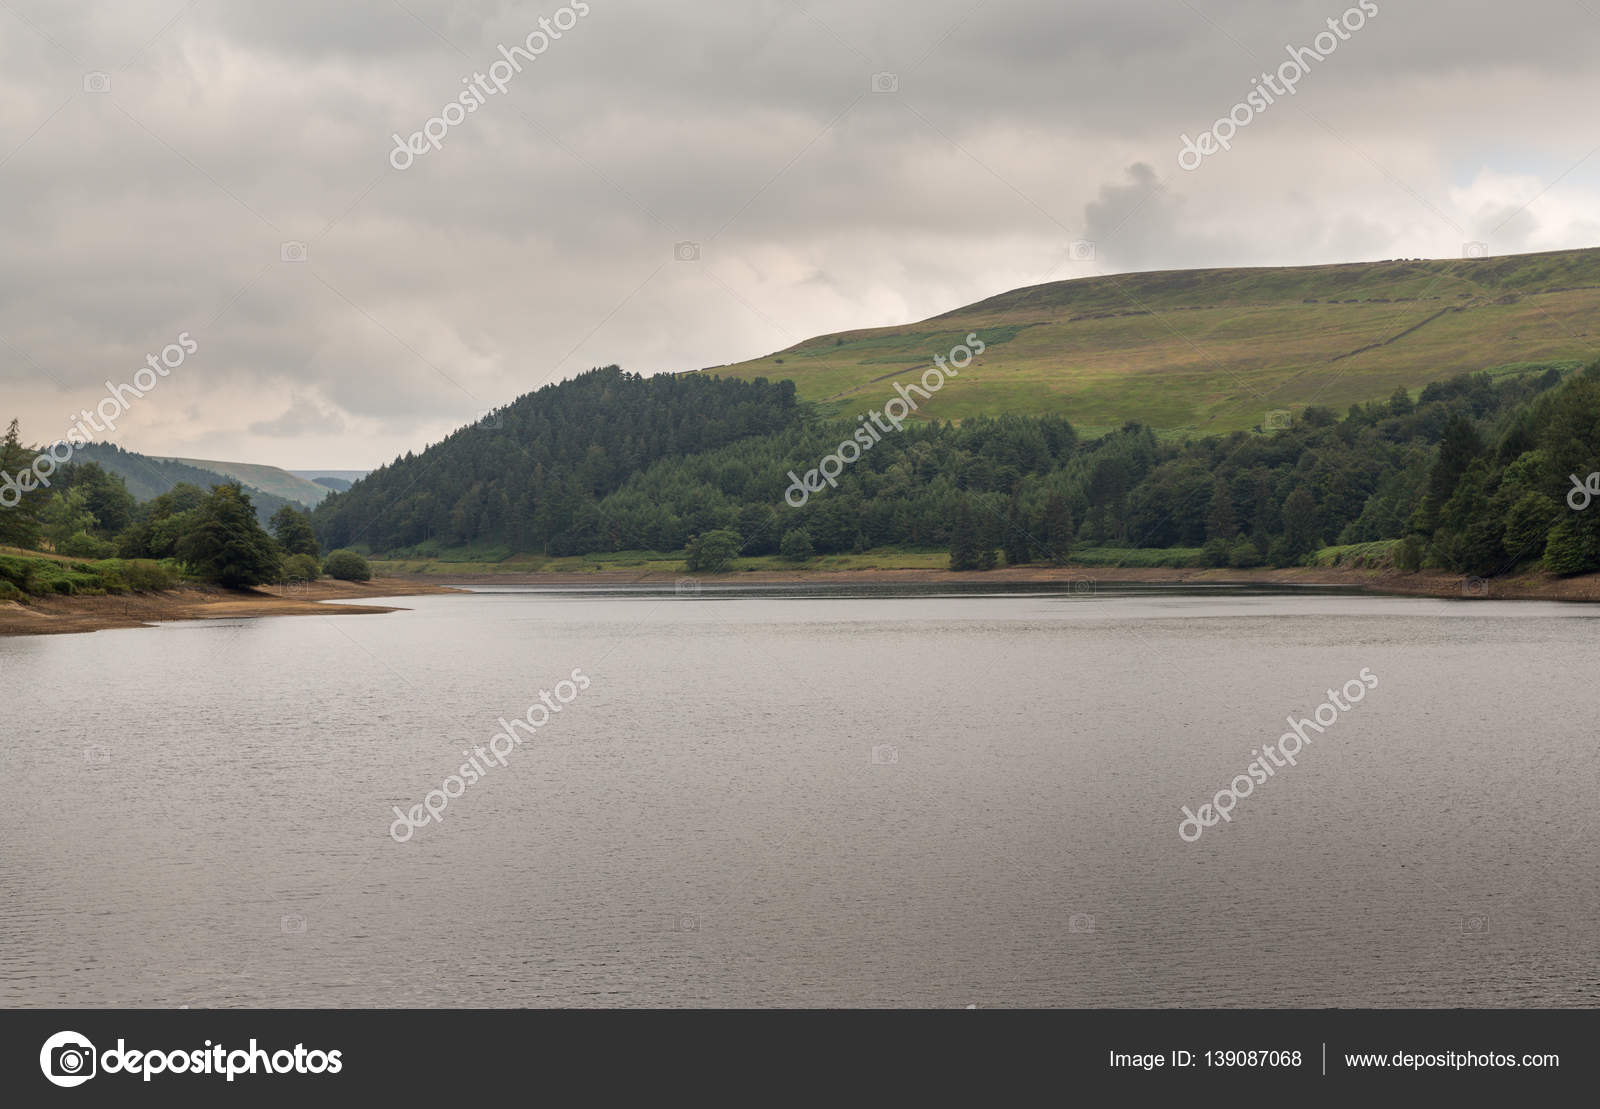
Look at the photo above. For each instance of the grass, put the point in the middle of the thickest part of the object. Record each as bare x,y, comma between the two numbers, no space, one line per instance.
1378,555
1136,556
1203,351
25,574
659,563
672,564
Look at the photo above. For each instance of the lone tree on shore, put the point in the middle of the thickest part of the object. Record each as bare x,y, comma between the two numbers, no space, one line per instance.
226,545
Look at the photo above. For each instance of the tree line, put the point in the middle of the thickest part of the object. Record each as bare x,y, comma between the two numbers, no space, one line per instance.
1470,475
213,535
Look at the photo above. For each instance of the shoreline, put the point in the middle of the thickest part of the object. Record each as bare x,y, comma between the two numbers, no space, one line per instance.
62,615
1532,586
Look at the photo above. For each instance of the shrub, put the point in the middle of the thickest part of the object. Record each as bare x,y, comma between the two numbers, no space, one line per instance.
1564,553
302,567
713,552
347,565
1244,554
84,545
1215,552
796,545
1408,555
140,575
1283,553
17,573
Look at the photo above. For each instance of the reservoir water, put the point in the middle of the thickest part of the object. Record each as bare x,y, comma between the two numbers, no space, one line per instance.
847,797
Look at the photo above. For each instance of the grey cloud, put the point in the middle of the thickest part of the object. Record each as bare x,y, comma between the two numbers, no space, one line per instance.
538,241
302,417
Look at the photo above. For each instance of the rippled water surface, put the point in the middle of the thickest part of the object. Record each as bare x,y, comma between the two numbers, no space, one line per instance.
847,797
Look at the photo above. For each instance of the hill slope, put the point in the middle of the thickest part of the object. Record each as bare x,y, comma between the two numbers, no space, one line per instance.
528,476
147,477
268,479
1216,349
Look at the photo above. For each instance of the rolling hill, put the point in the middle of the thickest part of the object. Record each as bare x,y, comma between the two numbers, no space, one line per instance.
147,477
268,479
1214,350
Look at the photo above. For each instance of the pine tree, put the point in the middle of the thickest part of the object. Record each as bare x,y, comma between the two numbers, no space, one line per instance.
1458,448
1057,530
292,529
19,521
1017,543
964,548
1300,530
1221,522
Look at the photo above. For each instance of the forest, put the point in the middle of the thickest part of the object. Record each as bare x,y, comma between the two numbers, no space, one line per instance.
1470,475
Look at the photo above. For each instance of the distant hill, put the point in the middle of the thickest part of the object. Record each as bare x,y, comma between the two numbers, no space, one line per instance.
1214,350
337,480
147,477
268,479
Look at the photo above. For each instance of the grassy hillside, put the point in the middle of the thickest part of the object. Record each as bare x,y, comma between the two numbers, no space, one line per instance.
1214,350
268,479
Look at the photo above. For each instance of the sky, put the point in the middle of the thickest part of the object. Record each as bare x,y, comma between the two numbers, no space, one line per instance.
677,186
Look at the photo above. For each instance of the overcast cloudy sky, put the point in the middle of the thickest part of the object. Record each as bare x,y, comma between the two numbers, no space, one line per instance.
540,238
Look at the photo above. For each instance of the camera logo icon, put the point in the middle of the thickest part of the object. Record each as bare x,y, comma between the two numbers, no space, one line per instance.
1474,587
292,251
686,922
1474,250
67,1059
1080,923
686,587
1084,586
1278,419
95,755
885,82
97,82
686,251
885,754
1082,250
1475,925
292,924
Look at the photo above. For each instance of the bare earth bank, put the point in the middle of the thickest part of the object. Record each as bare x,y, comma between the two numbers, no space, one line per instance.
59,615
